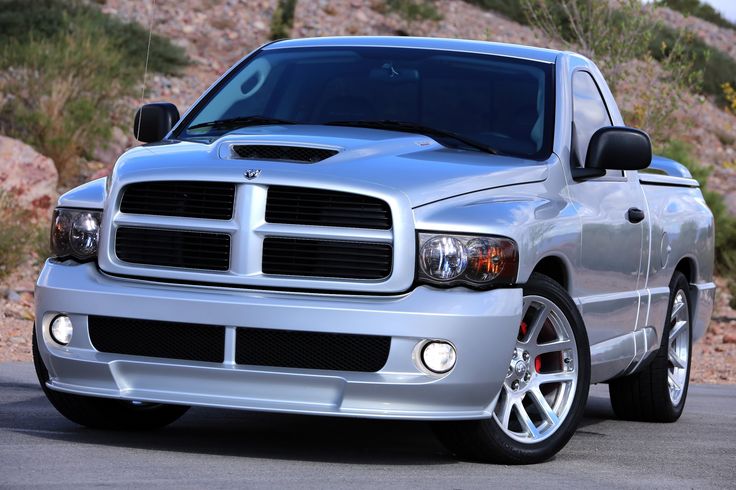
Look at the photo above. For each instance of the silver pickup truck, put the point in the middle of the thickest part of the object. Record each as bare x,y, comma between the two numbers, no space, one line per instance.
426,229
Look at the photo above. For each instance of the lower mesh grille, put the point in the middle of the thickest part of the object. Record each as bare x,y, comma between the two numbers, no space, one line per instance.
254,346
150,338
311,350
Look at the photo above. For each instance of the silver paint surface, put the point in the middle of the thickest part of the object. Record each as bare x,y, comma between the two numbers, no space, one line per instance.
618,273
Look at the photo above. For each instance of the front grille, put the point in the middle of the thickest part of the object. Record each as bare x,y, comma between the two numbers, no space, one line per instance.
282,153
311,350
213,200
326,258
150,338
171,248
304,206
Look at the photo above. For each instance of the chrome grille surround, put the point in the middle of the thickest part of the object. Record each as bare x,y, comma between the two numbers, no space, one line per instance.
248,230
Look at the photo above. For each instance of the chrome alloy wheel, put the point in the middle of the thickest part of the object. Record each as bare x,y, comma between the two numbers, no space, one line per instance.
678,347
542,376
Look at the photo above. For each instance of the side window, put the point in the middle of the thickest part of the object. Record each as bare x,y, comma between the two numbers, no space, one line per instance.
589,113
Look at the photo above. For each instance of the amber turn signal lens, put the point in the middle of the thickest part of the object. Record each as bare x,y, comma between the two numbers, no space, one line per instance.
489,259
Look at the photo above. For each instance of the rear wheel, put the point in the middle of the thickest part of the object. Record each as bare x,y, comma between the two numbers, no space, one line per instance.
658,392
545,390
104,413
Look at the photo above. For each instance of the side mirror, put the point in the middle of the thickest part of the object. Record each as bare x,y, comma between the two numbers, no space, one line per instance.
153,122
619,148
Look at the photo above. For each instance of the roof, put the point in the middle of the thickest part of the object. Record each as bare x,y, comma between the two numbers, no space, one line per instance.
482,47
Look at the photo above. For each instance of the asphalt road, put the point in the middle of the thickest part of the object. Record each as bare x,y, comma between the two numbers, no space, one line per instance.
214,449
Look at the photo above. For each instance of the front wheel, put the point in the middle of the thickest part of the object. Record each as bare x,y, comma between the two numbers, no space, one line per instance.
105,413
545,390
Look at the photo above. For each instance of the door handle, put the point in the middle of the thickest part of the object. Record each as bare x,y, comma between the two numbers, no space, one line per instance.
635,215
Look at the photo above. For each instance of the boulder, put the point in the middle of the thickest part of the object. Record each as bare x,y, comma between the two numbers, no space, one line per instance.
29,176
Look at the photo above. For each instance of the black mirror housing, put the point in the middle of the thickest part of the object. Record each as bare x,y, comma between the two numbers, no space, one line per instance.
152,122
619,148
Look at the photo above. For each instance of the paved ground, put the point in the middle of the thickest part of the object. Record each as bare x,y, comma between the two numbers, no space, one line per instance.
211,449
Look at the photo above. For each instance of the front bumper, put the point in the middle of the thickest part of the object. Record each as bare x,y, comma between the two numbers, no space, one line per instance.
482,326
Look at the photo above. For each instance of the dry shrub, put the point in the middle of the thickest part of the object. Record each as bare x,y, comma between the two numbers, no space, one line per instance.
62,96
610,34
619,36
64,66
16,233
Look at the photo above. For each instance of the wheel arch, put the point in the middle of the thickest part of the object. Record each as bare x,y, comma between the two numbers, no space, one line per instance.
689,268
556,268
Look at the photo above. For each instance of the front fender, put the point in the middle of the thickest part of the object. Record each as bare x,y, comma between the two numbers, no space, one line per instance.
542,225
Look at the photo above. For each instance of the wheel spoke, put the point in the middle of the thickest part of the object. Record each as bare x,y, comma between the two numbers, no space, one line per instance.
561,377
505,411
537,324
525,307
526,421
676,360
674,385
559,345
676,309
544,406
677,329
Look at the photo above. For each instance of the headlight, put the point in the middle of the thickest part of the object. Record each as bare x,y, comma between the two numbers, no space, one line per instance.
75,233
469,260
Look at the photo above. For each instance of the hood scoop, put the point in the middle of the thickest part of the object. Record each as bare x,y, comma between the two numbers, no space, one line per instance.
281,153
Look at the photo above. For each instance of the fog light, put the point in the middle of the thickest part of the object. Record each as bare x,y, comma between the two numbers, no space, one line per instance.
438,356
61,329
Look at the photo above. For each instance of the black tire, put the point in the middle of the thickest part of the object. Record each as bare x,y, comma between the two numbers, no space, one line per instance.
644,396
484,440
105,413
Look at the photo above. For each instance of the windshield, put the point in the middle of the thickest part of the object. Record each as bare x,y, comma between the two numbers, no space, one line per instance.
502,104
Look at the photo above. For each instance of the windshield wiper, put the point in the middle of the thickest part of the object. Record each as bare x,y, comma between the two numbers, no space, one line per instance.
240,122
409,127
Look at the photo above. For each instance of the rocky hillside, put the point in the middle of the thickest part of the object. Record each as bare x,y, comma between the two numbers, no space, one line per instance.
216,33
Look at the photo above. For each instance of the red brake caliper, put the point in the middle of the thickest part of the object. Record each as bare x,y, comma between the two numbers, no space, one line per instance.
523,329
538,364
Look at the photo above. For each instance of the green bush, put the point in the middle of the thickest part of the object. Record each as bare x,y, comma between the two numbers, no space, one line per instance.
283,19
698,9
514,10
46,20
717,67
63,95
64,66
412,10
14,238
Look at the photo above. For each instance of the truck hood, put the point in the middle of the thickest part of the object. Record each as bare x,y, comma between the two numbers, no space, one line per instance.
412,164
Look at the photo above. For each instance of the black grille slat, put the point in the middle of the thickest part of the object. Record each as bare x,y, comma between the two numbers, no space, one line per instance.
326,258
311,350
306,206
172,248
283,153
209,200
170,340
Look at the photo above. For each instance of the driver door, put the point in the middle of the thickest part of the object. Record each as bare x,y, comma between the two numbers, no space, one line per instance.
610,271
